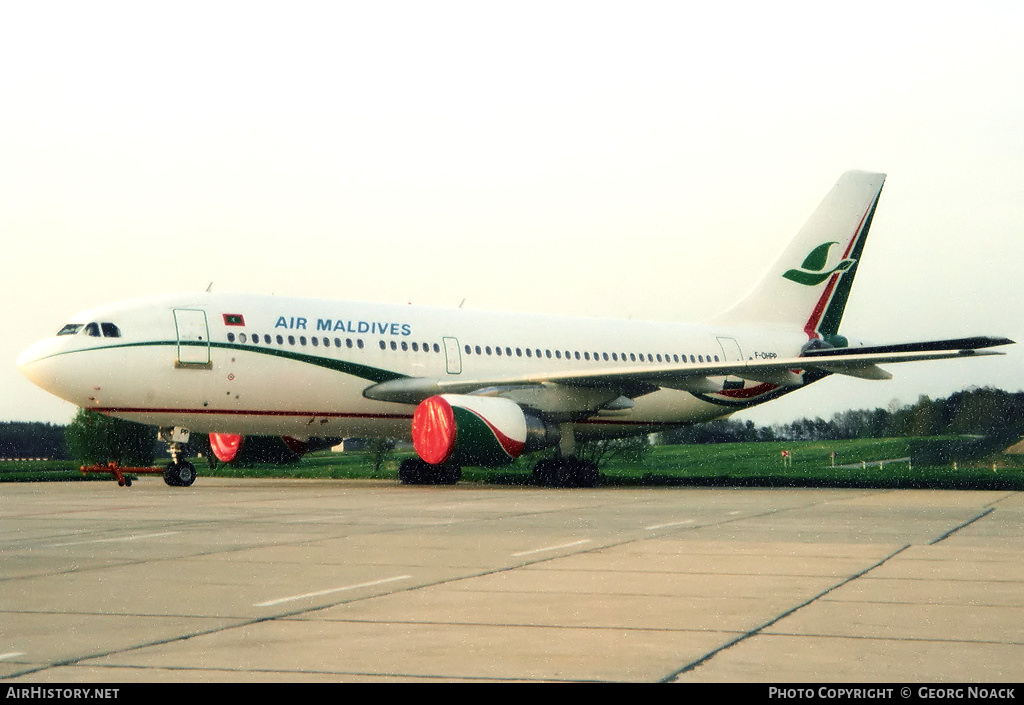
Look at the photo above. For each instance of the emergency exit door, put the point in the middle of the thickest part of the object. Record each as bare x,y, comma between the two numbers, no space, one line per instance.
453,356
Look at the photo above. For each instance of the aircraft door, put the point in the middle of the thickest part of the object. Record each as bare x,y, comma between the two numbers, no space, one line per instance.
193,338
731,349
453,357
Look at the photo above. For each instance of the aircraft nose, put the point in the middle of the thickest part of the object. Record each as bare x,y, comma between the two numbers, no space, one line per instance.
27,357
32,363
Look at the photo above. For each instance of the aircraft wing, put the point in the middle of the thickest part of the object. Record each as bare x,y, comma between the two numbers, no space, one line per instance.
591,389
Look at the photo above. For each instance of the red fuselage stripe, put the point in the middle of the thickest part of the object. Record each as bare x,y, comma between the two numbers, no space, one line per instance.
333,415
248,412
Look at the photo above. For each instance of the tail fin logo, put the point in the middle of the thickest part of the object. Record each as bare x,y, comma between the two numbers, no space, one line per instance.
811,272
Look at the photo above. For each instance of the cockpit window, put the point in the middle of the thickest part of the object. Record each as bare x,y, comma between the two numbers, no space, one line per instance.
96,330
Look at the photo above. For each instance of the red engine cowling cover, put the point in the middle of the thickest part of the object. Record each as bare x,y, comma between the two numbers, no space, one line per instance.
225,445
468,430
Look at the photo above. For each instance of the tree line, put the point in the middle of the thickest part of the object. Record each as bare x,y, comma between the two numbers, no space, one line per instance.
32,439
982,411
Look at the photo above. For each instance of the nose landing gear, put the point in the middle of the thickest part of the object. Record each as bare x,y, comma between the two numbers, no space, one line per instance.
179,472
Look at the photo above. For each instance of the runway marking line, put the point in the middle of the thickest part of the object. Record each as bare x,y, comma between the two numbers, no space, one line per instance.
673,523
552,548
319,593
133,537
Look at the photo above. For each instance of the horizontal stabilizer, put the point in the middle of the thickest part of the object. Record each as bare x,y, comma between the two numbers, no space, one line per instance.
872,372
964,345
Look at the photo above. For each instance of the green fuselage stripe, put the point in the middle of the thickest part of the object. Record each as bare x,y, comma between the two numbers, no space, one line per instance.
373,374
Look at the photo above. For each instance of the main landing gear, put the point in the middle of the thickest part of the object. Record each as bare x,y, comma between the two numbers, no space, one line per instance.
561,470
566,472
179,472
414,471
565,469
549,472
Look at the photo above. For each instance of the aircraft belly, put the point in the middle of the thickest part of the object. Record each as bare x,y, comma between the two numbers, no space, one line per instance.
666,407
239,392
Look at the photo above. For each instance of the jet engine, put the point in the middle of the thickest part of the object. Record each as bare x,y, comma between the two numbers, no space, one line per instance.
474,430
225,445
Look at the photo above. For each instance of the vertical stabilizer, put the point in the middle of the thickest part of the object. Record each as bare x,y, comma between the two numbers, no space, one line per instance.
808,286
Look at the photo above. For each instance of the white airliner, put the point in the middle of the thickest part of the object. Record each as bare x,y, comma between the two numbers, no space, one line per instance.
471,388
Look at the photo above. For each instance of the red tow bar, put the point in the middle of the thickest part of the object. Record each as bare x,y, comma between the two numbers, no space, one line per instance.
119,472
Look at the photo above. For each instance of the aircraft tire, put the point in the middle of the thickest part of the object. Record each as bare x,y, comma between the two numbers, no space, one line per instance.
583,473
446,474
410,472
415,471
181,474
544,472
566,472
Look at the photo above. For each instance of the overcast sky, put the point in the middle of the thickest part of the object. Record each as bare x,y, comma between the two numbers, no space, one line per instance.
620,159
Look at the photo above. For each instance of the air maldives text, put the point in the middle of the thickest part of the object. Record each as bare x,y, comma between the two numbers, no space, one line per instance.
345,325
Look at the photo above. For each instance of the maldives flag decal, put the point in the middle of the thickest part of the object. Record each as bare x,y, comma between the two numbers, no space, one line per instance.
234,319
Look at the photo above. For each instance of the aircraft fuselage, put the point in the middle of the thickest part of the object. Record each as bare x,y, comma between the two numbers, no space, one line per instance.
300,367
